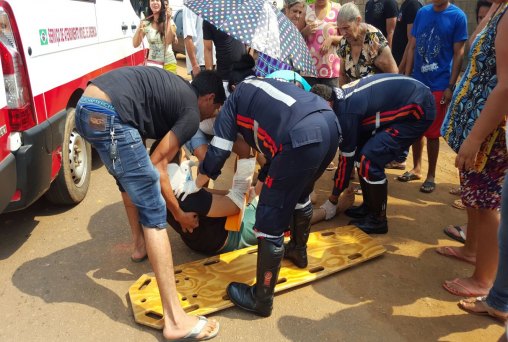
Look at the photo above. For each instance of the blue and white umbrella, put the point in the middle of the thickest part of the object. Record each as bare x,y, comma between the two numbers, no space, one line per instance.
260,25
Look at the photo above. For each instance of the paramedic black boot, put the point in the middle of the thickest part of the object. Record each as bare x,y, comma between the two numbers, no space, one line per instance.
296,249
258,298
362,210
375,222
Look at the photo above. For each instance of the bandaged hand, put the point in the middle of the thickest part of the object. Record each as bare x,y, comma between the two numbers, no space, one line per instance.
187,188
187,164
330,209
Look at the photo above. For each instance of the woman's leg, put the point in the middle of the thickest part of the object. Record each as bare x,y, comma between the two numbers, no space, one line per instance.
482,227
487,256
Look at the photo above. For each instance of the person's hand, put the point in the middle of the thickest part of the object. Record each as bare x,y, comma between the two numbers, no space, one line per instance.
466,157
330,209
447,96
187,188
310,28
169,13
327,43
187,164
251,194
196,69
189,221
141,25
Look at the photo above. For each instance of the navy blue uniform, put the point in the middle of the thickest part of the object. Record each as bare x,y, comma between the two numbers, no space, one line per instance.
295,130
380,116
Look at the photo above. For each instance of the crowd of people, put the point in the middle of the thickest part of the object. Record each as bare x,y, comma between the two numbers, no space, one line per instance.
382,85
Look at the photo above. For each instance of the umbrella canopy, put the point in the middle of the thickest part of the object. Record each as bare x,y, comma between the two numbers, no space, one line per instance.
260,25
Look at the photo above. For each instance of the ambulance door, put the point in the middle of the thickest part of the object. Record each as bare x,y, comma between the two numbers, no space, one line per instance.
117,22
59,40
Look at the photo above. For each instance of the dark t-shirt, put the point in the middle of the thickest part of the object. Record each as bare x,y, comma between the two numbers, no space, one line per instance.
153,100
407,15
227,49
377,11
210,235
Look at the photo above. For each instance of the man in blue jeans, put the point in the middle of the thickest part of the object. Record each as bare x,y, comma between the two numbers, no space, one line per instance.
116,112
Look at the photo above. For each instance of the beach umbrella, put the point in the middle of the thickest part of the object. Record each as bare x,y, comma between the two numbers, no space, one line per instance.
260,25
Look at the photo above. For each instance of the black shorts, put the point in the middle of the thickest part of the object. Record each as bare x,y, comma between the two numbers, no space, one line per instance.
210,235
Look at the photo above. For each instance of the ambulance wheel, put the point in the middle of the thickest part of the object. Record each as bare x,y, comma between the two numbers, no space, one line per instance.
71,184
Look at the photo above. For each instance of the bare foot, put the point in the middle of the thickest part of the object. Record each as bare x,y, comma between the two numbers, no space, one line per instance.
198,328
139,252
466,287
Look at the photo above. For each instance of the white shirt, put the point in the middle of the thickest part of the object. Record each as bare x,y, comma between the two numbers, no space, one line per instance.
193,27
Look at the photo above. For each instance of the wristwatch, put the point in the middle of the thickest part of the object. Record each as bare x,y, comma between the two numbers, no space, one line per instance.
451,87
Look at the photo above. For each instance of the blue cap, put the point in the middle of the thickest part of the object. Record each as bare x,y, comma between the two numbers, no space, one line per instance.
289,76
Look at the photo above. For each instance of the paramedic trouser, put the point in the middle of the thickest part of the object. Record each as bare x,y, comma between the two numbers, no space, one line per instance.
293,171
385,146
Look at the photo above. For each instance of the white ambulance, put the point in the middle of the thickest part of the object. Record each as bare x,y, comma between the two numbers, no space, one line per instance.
49,50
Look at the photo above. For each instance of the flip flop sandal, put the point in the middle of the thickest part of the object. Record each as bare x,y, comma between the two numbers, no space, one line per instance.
461,237
455,191
138,260
457,204
393,165
428,187
194,333
357,190
450,252
468,306
459,289
408,176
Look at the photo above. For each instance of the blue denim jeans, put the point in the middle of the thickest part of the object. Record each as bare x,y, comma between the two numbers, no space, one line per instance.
198,139
122,151
498,295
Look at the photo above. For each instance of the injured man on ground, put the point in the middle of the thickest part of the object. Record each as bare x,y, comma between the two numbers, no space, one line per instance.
214,206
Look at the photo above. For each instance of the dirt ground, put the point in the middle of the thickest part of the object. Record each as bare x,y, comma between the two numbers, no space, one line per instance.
403,287
65,275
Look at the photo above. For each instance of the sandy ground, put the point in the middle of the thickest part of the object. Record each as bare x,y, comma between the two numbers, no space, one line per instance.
65,273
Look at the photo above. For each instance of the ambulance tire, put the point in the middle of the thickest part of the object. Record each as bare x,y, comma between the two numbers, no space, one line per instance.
71,184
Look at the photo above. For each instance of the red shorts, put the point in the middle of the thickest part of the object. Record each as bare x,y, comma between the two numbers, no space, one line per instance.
434,131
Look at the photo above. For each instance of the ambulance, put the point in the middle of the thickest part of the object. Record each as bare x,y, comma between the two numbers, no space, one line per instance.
49,50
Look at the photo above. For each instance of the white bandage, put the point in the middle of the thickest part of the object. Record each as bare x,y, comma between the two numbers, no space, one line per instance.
242,181
330,209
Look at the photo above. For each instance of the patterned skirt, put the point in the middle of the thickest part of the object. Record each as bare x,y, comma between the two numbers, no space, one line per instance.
482,189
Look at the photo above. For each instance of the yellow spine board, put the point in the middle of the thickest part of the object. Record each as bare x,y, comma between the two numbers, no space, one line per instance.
201,284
